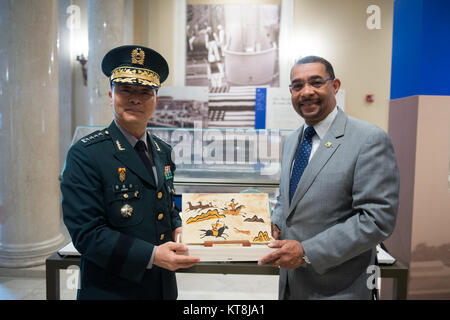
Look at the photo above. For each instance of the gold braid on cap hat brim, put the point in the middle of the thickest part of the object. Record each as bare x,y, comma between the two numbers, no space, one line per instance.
140,76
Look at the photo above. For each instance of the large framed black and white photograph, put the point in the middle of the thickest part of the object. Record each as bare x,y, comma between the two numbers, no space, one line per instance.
232,45
181,107
232,49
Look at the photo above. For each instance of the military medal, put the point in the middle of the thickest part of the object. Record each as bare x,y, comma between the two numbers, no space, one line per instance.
126,211
168,173
122,174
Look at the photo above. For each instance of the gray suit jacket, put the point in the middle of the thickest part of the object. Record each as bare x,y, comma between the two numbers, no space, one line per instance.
345,204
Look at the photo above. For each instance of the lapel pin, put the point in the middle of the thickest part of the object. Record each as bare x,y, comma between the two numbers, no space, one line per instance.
119,146
122,174
157,147
328,144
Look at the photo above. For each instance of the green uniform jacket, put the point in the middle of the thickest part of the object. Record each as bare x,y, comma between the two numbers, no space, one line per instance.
103,174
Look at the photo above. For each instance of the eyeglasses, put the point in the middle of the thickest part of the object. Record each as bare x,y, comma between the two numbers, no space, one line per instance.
315,83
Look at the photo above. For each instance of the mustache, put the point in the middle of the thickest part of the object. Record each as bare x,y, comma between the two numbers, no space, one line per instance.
304,101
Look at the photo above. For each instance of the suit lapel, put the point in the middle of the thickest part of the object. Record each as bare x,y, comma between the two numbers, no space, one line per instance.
328,146
126,154
159,161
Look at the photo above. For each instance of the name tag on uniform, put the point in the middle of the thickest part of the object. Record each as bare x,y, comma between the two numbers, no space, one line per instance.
124,187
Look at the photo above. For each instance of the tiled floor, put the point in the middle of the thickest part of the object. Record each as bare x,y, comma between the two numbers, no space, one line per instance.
190,287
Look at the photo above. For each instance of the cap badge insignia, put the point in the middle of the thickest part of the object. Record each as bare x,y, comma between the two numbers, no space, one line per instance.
122,174
126,211
137,56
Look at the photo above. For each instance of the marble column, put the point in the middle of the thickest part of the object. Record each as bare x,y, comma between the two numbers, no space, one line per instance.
106,31
29,165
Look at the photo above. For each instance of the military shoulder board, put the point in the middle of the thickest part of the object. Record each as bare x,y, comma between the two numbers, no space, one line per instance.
94,137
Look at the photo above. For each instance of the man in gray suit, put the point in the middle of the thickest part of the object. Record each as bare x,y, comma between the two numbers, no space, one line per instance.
338,197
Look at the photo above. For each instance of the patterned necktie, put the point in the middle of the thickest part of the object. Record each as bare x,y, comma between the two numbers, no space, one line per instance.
301,160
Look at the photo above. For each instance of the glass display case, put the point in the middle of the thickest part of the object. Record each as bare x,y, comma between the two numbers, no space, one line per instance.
221,160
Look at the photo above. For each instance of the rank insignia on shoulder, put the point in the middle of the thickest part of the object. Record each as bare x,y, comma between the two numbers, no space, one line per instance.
93,138
168,173
119,146
122,174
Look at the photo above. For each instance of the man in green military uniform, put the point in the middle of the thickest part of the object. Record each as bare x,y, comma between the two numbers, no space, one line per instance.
117,189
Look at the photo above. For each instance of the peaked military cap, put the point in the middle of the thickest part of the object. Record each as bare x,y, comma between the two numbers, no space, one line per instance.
135,65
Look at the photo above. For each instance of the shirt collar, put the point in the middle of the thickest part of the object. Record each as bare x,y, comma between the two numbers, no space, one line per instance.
322,127
130,138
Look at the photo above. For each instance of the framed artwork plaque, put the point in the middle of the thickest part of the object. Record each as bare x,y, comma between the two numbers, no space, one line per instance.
226,226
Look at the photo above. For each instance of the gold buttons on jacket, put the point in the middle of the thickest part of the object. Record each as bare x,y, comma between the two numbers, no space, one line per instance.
159,195
125,195
161,237
160,216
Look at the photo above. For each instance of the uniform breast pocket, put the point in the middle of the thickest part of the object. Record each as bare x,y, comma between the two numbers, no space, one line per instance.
125,208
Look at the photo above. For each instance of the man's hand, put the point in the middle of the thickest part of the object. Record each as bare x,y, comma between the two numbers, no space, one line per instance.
165,257
289,255
276,232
